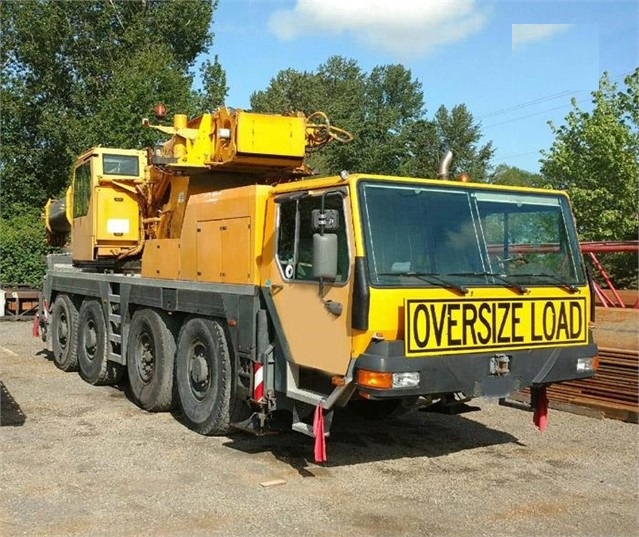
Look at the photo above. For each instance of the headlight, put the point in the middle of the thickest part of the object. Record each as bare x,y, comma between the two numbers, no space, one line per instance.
587,364
406,380
386,380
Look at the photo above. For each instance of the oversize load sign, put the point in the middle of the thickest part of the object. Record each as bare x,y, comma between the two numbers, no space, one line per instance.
462,326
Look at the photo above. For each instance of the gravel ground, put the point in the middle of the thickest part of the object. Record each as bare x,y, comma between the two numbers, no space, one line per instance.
84,460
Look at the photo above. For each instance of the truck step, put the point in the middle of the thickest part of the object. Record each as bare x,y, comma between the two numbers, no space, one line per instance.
307,429
307,396
115,338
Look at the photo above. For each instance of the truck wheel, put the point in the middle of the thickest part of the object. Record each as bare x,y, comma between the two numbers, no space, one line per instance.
150,359
204,377
64,330
93,354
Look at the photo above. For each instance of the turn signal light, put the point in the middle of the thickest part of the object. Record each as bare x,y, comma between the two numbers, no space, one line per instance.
374,379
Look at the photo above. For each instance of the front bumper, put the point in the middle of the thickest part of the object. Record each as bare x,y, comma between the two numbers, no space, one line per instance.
470,374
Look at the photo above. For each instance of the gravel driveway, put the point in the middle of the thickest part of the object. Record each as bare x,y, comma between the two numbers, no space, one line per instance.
84,460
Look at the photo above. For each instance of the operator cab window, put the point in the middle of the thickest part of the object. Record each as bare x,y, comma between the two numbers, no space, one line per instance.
295,237
82,190
120,165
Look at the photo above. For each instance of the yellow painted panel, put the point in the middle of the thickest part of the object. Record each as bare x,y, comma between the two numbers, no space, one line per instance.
83,238
208,255
271,135
235,242
239,246
188,241
161,259
223,250
118,215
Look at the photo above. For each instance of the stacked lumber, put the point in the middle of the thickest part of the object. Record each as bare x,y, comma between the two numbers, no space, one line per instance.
614,390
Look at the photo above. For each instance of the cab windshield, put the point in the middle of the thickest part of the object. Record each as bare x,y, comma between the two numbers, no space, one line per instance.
425,235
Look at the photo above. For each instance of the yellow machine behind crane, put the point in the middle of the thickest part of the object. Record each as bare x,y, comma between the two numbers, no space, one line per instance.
217,267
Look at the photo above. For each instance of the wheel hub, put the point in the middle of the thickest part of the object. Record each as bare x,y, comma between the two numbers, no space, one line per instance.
146,364
91,340
63,331
199,370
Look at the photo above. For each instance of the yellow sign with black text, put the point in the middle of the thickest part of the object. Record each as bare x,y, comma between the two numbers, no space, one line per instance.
434,327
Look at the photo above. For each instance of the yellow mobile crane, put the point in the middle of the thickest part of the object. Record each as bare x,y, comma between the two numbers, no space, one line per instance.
218,268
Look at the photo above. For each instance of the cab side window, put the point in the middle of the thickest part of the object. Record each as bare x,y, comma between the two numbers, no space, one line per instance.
81,190
295,237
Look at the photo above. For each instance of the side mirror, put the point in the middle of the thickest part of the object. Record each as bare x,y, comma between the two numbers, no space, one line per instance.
325,256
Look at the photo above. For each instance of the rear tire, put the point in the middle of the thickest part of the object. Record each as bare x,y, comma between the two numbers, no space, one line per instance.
150,360
204,378
95,368
64,332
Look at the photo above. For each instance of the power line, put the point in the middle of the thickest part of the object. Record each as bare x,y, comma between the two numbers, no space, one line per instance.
530,103
543,99
546,110
520,155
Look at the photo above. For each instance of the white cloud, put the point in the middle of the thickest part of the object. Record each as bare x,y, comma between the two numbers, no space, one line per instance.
403,28
528,33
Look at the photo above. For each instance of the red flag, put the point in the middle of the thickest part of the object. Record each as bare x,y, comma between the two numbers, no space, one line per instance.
35,327
318,431
540,417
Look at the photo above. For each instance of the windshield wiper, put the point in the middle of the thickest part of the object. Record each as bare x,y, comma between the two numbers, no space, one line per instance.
519,288
429,277
571,288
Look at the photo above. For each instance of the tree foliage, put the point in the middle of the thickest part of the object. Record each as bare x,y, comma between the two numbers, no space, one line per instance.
385,111
513,176
22,246
595,156
78,74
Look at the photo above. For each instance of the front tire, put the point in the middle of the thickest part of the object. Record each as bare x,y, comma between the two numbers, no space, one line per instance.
64,331
95,368
204,377
150,360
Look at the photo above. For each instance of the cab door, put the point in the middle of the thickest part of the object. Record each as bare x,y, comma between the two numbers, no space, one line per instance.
83,218
315,337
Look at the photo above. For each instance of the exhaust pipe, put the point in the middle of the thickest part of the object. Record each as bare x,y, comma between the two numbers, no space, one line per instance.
444,164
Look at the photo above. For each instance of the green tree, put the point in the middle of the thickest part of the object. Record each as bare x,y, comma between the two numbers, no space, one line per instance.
22,245
513,176
456,130
385,112
595,157
77,74
214,89
394,101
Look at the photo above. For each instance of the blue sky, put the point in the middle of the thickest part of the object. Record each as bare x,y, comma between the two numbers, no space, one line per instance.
515,64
